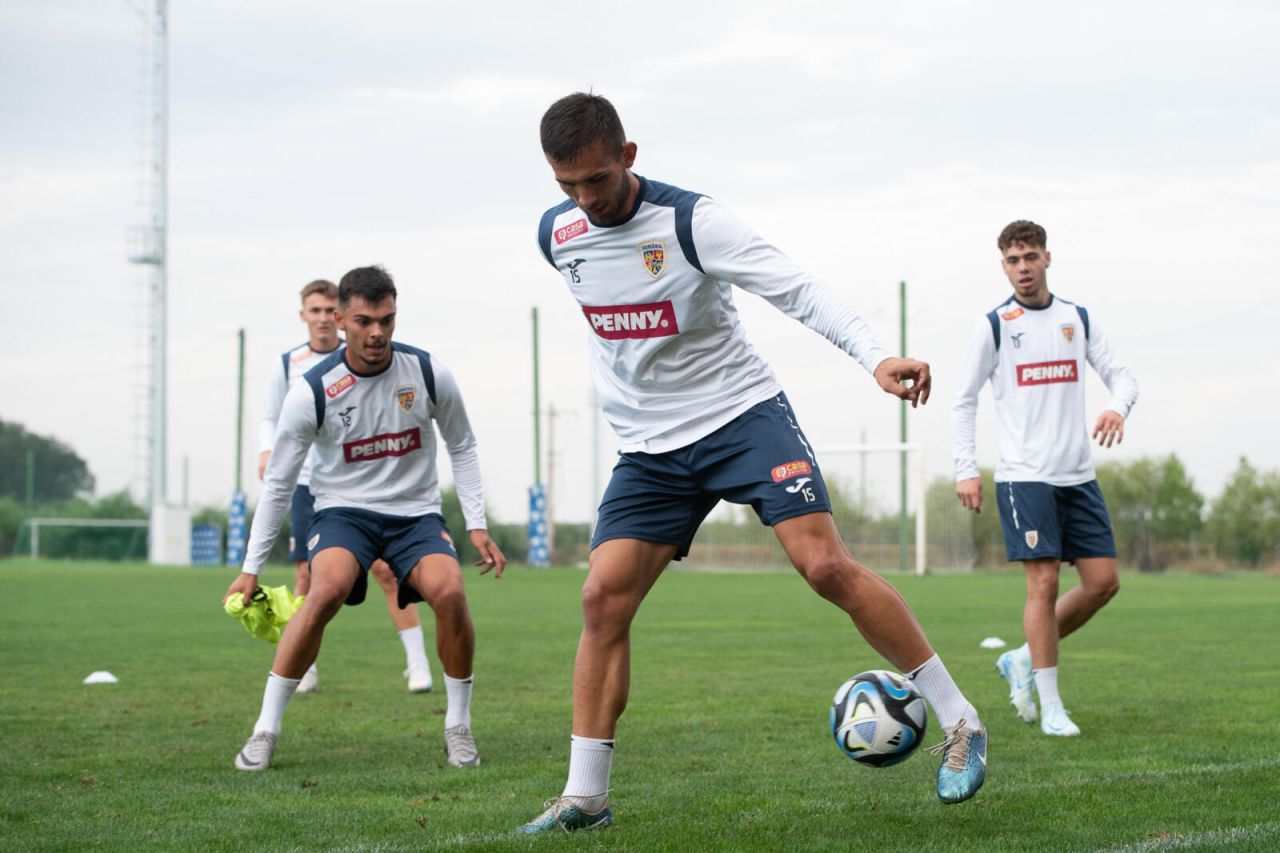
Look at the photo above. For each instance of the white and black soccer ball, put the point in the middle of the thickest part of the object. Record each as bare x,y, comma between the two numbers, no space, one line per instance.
878,718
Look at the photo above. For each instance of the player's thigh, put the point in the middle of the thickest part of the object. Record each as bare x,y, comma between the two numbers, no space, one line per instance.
348,541
652,498
1029,518
762,459
1086,524
437,578
620,574
334,572
1098,576
409,544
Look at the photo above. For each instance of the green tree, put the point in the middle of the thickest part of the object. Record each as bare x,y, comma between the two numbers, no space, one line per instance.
59,473
1244,524
1154,508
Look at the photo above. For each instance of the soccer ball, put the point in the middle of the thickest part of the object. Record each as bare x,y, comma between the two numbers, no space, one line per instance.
878,718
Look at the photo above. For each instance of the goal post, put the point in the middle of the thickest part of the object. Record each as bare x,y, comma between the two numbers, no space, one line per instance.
864,483
915,485
32,526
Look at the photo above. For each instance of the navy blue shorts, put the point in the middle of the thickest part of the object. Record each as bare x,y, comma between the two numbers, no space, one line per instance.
302,508
759,458
1041,521
401,541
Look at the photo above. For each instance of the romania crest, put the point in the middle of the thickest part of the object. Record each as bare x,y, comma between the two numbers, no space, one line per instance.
405,396
654,255
1068,332
1033,538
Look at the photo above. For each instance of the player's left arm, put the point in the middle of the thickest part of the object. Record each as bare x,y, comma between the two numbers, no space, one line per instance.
730,250
450,415
1120,381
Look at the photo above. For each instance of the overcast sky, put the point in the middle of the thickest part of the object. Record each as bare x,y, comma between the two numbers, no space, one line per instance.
871,142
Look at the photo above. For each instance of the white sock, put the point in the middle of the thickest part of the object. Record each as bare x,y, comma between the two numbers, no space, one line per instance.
459,706
937,687
1047,685
590,761
415,651
274,699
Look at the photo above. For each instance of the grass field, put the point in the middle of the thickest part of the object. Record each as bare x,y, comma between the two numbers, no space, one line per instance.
724,747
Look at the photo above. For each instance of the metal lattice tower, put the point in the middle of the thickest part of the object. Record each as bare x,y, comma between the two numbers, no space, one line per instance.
148,243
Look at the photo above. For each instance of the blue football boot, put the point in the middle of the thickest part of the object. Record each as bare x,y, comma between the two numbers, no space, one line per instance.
964,762
565,815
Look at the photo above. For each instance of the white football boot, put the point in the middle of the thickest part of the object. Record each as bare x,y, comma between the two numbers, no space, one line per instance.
257,753
1015,668
419,679
1057,721
310,681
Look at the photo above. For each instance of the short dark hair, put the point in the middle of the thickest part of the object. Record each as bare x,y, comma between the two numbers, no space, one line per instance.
322,286
1022,231
575,121
372,284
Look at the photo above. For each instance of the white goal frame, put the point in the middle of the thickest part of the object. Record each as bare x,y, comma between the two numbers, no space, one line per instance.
915,483
36,523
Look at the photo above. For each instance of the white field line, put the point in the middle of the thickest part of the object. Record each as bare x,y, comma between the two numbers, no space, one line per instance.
1131,775
1216,839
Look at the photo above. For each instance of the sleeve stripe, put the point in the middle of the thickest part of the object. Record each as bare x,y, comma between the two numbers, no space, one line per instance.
1084,318
994,319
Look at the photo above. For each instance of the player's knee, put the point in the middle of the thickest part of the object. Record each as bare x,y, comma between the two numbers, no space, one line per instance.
448,601
1105,590
325,601
832,575
382,574
602,609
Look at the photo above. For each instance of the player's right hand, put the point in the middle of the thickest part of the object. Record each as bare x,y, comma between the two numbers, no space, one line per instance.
263,458
245,584
892,374
970,493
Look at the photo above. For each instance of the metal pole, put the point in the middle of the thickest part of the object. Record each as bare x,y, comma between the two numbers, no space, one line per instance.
551,477
31,477
537,406
240,414
902,435
35,538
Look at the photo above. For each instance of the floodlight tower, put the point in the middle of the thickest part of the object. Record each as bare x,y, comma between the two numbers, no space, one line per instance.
148,247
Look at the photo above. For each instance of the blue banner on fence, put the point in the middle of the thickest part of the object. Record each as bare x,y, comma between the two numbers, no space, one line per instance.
236,530
206,545
539,544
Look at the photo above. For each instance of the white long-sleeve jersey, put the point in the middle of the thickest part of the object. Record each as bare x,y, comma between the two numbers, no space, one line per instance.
286,369
670,360
374,444
1035,360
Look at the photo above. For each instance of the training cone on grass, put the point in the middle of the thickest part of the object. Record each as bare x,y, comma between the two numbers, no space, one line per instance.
100,676
267,612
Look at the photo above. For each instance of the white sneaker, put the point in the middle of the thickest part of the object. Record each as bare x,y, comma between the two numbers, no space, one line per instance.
257,753
419,679
461,746
1015,668
1057,721
310,681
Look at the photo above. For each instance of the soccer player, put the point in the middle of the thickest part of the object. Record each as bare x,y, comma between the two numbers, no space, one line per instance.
368,410
701,418
319,302
1033,348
